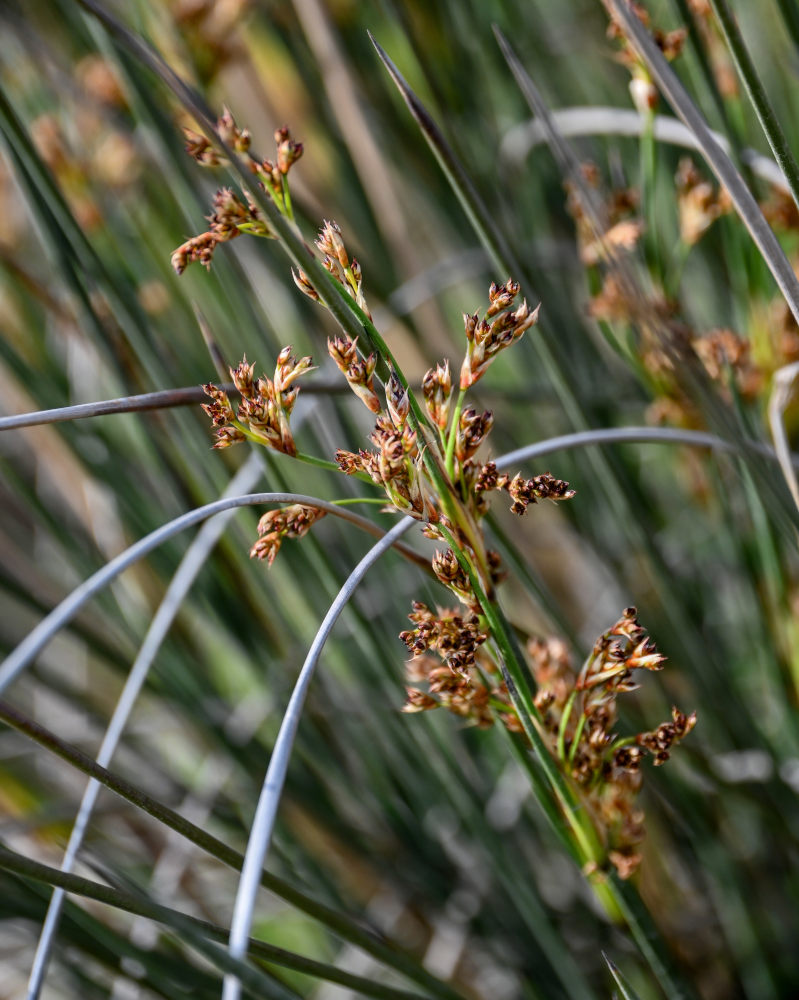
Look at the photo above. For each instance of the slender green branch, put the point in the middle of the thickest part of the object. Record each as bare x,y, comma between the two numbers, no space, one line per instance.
757,95
564,723
578,732
449,458
515,674
648,191
351,500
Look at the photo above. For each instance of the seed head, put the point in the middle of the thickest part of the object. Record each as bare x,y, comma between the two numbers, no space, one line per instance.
397,400
437,389
242,377
285,522
543,487
499,328
302,281
238,139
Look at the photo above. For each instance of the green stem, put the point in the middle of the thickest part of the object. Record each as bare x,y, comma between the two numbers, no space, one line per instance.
449,458
578,732
300,456
350,500
514,673
324,463
564,722
287,206
648,174
757,95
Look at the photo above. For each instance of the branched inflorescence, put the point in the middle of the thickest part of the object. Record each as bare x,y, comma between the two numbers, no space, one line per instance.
424,460
579,712
232,215
265,407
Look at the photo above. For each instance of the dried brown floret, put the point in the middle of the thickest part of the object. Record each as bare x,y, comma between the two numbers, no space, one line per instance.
265,405
437,389
285,522
543,487
473,427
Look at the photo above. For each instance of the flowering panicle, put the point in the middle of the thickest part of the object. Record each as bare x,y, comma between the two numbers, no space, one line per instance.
265,405
463,679
450,572
395,466
231,215
579,713
285,522
228,220
428,468
449,634
544,487
336,261
498,329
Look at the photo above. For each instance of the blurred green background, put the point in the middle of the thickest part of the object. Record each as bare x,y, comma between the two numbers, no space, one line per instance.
420,825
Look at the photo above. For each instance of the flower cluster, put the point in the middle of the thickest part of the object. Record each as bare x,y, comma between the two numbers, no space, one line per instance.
265,407
463,678
227,221
336,261
232,216
522,491
395,466
579,714
426,463
447,633
358,371
286,522
500,327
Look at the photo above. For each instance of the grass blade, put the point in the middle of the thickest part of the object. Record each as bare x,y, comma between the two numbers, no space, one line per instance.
340,924
757,95
201,934
626,992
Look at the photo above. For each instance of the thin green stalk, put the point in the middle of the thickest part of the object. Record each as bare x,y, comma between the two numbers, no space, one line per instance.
564,723
449,457
578,732
790,15
287,205
351,500
757,95
338,923
648,156
515,675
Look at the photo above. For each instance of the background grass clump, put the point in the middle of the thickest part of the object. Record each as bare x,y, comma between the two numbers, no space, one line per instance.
420,853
